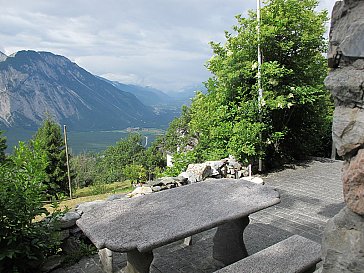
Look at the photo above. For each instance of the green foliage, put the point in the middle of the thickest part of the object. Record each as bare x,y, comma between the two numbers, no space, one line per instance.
180,163
100,188
3,147
294,117
50,140
135,173
23,241
178,134
116,158
126,160
84,166
154,160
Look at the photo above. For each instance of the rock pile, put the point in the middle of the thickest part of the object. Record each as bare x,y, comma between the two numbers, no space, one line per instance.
70,235
224,168
343,243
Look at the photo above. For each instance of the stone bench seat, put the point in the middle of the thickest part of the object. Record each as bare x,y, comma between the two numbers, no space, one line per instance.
293,255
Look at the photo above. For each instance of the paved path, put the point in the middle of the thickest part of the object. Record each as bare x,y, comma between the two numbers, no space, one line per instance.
311,193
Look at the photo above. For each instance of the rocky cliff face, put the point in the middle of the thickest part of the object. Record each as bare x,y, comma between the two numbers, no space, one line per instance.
343,240
36,84
2,56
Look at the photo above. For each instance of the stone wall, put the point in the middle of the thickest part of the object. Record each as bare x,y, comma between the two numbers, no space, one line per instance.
343,241
224,168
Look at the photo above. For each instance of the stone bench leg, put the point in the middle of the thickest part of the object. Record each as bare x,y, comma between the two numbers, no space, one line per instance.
138,262
228,241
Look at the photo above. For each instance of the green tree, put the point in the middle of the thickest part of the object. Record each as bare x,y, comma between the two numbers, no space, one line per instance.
154,159
135,173
24,242
2,147
180,163
50,138
84,167
178,134
294,117
126,151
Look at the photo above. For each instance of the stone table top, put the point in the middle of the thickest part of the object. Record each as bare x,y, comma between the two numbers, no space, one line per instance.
154,220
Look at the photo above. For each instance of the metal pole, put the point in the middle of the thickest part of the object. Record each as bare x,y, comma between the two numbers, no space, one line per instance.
260,90
67,159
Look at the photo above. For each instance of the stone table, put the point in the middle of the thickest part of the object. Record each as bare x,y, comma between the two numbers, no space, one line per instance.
139,225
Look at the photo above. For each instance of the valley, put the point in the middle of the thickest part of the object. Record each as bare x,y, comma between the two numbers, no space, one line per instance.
98,112
84,141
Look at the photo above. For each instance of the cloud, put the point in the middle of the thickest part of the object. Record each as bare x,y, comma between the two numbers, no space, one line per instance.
162,43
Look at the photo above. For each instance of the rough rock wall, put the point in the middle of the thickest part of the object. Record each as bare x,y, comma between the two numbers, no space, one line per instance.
343,241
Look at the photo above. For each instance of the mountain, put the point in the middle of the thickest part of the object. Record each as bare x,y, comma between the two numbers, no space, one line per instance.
185,95
147,95
34,84
2,56
157,98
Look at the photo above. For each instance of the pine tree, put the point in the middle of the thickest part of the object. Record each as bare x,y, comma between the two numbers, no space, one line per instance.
50,138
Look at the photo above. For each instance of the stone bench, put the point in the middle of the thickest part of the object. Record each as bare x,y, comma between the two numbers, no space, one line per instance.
293,255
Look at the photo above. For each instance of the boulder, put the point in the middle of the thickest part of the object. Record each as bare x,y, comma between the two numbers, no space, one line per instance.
348,129
71,245
346,85
139,191
347,32
197,172
233,163
52,263
115,197
353,179
343,241
69,219
167,183
216,167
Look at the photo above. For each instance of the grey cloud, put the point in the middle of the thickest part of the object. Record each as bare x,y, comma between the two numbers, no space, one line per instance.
162,43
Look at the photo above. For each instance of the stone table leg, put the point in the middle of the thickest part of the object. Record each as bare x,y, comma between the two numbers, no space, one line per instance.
228,241
138,262
105,256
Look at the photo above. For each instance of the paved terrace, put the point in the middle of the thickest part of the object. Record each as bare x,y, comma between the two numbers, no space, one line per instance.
311,193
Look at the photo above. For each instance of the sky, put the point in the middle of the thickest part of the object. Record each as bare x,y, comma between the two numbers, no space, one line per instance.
159,43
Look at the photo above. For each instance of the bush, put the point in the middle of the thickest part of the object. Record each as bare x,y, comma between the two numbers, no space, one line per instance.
180,163
24,242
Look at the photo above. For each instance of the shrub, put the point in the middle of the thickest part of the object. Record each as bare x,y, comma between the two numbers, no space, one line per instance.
180,163
24,242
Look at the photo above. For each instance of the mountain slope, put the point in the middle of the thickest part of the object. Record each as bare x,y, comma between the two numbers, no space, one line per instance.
147,95
2,56
33,84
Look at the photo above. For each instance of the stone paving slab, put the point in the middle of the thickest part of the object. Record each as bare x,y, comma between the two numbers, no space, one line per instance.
311,193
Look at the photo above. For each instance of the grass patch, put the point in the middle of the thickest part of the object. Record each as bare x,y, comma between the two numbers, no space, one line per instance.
92,193
112,188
